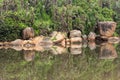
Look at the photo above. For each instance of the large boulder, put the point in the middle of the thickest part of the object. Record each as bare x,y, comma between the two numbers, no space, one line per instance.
57,37
75,33
106,28
75,39
28,33
17,42
113,40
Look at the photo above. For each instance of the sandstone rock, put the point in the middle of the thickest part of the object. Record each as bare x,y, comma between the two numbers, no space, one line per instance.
57,37
28,33
1,43
38,39
91,36
17,48
17,42
106,28
113,40
75,33
75,39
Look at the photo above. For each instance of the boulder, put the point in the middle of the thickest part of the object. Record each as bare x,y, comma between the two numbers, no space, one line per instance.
75,39
75,33
57,37
91,36
106,28
28,33
113,40
17,42
38,39
1,43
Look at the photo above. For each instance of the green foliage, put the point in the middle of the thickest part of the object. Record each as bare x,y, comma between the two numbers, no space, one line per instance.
46,16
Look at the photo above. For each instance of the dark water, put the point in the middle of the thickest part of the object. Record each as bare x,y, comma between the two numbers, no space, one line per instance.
95,62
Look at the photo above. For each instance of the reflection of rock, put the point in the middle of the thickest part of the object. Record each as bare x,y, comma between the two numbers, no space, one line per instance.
1,43
57,37
91,36
75,33
107,51
113,40
63,43
92,45
84,44
29,55
76,49
28,33
106,28
58,50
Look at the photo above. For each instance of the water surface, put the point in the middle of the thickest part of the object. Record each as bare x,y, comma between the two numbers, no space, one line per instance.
95,62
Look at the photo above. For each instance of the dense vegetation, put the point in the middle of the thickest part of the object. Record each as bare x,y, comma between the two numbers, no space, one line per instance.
48,15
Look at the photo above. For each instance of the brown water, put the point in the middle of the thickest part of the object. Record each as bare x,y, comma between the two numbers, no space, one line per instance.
95,62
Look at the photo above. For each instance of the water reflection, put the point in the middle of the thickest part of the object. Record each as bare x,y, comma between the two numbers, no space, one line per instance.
28,54
104,50
107,51
73,62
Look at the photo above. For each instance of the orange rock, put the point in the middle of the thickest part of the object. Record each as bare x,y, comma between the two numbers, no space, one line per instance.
57,37
106,28
75,33
113,40
28,33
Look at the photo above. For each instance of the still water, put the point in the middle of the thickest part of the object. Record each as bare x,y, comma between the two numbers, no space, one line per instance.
78,62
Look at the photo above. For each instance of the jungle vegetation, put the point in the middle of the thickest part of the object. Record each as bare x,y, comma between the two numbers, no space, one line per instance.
46,16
